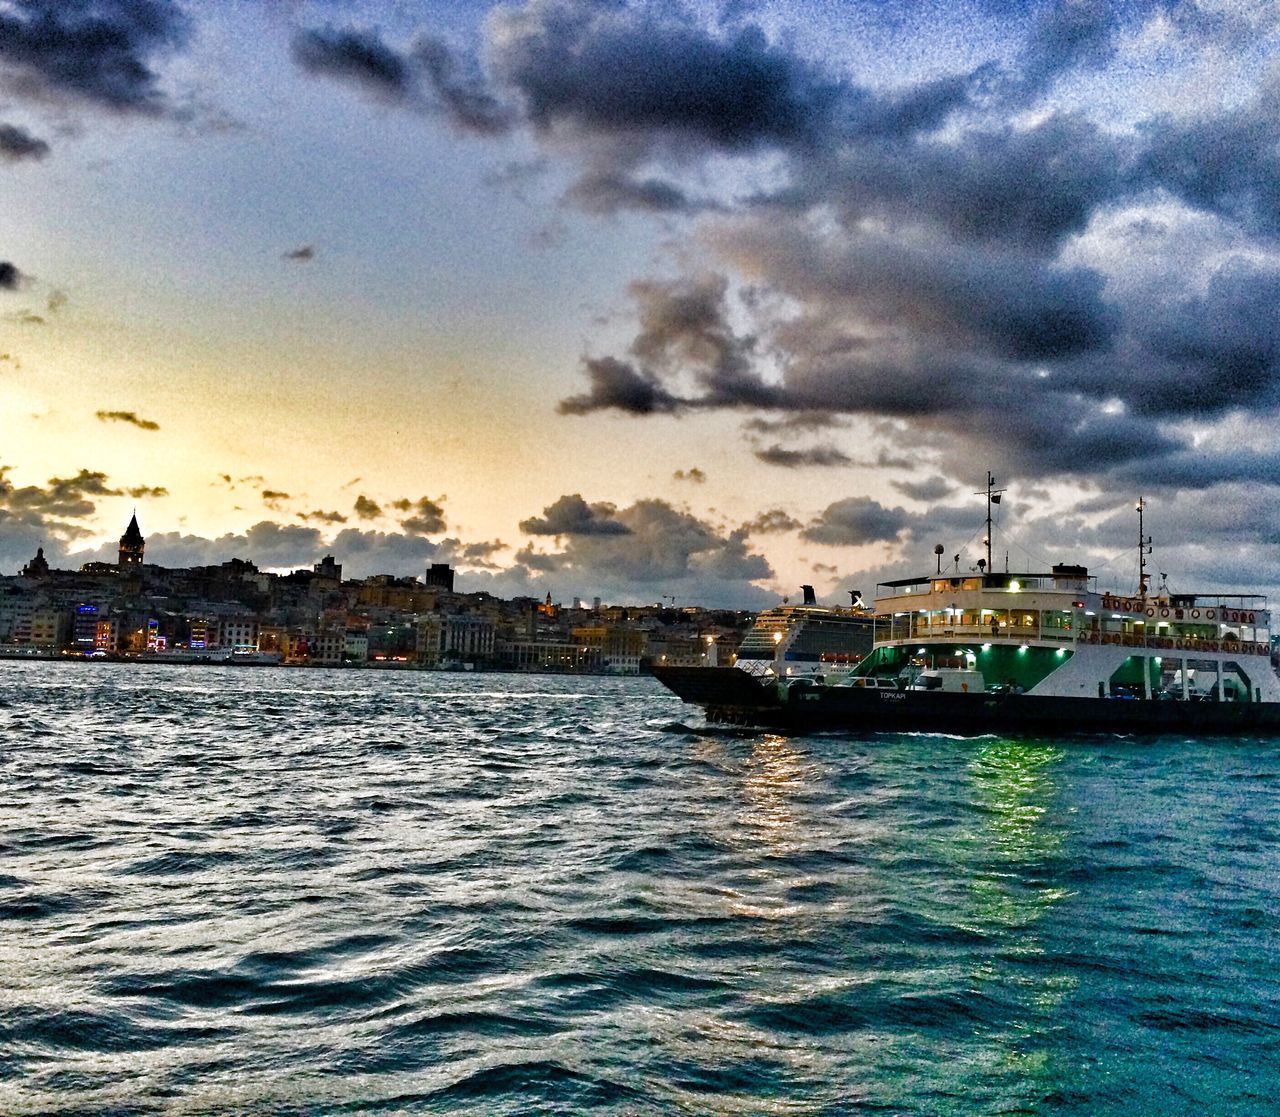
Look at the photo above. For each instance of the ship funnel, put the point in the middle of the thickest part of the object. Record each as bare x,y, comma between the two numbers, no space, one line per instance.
809,598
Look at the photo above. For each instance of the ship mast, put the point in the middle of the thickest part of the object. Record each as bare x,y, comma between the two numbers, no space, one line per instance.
1144,549
993,497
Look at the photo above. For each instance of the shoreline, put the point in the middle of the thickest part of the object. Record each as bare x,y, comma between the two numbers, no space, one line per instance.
154,661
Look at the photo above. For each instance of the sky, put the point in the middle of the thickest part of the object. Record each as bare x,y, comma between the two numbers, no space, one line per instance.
668,300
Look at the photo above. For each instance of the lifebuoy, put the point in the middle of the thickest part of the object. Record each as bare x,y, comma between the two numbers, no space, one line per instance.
1211,614
1235,617
1195,614
1164,612
1150,611
1211,645
1251,619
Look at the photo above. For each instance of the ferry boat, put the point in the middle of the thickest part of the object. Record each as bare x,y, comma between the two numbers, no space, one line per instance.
1035,651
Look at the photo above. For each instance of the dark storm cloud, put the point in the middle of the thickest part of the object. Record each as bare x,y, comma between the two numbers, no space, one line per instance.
1001,301
929,490
366,509
1025,186
62,497
10,277
855,521
130,417
1219,349
619,68
301,255
619,385
772,521
1082,35
17,143
96,52
323,517
460,91
571,515
1225,162
924,253
427,519
663,551
475,555
357,56
428,76
684,327
608,191
1065,37
796,459
1203,469
802,422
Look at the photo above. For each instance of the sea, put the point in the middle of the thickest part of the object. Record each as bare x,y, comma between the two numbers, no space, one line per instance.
263,891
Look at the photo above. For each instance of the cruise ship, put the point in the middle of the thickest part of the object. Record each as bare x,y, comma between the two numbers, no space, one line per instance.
1033,651
786,644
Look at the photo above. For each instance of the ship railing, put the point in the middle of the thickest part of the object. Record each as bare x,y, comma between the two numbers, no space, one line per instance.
1066,637
1177,643
1014,634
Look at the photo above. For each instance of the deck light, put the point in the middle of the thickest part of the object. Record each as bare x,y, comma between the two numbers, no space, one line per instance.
986,647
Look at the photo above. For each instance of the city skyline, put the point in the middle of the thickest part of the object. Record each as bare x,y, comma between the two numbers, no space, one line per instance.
640,300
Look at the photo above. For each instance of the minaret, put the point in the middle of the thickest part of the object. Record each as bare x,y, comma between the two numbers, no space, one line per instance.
131,545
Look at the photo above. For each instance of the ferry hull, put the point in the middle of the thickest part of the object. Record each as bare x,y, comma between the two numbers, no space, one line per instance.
857,710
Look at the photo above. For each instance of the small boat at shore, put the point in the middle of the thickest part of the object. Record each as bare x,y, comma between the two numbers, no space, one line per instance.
1040,651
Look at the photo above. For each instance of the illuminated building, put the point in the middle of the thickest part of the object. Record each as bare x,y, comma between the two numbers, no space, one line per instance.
85,627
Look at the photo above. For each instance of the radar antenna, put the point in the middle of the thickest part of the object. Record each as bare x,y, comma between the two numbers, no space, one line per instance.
1144,549
993,497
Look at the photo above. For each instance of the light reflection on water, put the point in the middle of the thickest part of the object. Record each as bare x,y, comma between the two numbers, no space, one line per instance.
333,891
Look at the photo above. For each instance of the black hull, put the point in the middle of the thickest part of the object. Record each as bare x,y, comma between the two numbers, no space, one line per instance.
743,701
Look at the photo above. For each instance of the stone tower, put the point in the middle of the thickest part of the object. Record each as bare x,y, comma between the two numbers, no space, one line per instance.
131,545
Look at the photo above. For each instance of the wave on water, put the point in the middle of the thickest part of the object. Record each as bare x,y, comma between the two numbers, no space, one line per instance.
359,892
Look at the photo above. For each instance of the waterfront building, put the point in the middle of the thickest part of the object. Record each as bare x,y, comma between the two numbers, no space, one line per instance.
84,633
549,655
620,648
48,629
106,636
238,631
355,647
327,647
428,646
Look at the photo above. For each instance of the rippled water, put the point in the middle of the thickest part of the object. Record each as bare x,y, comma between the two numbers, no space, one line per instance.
261,891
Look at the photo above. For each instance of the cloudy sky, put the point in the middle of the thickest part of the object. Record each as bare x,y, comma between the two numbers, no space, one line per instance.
698,300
